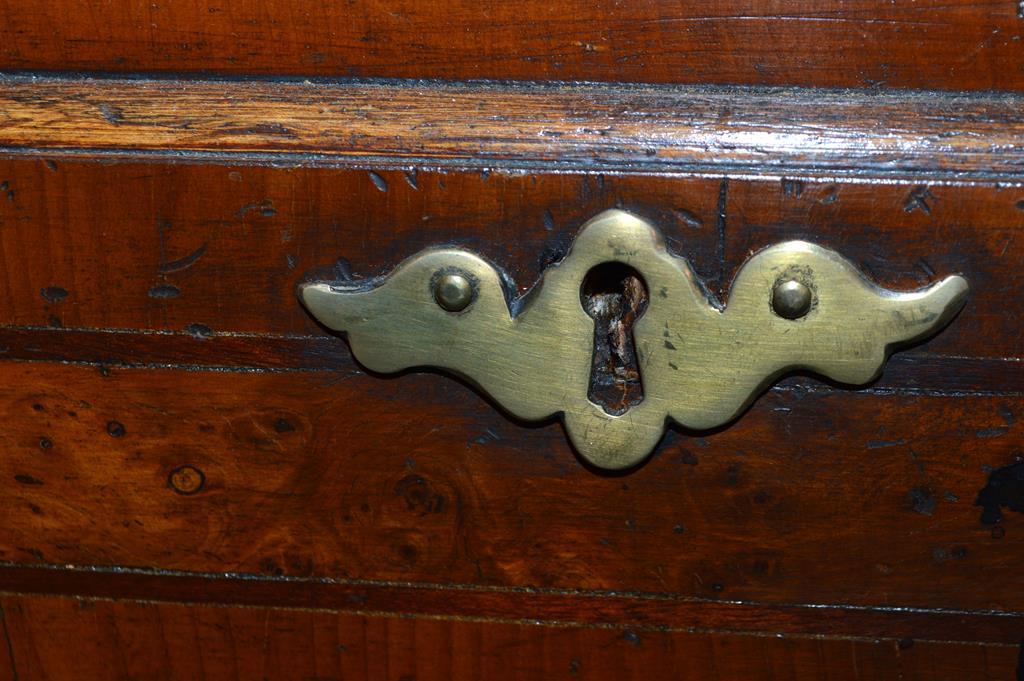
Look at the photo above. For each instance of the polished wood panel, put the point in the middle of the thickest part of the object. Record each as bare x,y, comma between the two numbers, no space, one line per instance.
821,498
245,440
59,638
197,481
201,249
593,127
946,44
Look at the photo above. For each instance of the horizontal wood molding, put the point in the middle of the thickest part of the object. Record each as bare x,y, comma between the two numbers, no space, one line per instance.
651,129
539,607
46,637
950,44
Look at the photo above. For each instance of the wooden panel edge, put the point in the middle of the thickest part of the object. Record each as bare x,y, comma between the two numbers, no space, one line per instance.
957,136
551,607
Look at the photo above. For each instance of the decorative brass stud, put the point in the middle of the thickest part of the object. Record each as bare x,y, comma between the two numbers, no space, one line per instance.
453,291
791,299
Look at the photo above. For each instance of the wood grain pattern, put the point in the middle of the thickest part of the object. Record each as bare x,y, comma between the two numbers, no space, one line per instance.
178,432
945,44
331,486
201,248
639,612
823,498
57,638
595,127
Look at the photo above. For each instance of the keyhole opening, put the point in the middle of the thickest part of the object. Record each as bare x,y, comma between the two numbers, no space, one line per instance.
615,297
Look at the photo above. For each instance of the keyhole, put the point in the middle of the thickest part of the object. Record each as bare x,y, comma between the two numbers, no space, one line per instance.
615,297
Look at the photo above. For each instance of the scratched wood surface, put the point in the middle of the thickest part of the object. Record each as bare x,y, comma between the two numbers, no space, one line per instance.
572,608
942,44
200,249
245,441
47,637
180,437
963,135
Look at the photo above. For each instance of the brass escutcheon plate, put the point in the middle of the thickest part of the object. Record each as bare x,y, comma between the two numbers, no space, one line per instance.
792,306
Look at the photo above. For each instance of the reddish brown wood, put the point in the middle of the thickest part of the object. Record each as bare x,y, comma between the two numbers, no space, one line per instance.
590,127
350,486
821,498
551,607
235,241
927,660
177,432
57,638
8,667
945,44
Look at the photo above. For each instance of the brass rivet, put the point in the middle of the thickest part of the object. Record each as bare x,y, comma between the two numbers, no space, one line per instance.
453,291
791,299
186,480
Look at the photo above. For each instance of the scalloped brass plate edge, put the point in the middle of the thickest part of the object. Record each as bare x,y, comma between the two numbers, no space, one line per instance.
700,364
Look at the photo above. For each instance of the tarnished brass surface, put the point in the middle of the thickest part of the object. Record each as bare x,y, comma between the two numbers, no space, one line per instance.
699,365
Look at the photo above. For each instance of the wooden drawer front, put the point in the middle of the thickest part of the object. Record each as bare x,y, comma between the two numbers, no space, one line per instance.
177,427
314,468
